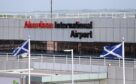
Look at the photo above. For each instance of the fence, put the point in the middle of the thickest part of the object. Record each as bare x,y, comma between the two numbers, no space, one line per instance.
9,62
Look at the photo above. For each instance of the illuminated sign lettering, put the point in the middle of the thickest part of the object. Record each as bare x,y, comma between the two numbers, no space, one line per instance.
73,25
41,24
81,35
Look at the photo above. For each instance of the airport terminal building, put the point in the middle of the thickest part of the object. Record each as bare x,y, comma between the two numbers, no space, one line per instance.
84,31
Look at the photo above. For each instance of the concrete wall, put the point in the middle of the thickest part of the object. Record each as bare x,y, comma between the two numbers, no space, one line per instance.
9,80
85,82
115,75
4,65
67,67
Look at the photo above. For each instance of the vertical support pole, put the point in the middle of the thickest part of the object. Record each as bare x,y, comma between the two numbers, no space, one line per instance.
104,61
72,66
123,56
41,58
66,59
90,60
79,60
119,62
51,11
7,56
29,62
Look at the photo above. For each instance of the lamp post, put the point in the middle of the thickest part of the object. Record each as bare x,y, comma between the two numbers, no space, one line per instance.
51,9
29,62
71,50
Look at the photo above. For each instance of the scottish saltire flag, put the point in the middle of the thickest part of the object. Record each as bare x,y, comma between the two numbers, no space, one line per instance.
22,49
115,50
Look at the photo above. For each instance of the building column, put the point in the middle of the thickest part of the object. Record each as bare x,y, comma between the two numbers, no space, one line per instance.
79,48
52,46
55,46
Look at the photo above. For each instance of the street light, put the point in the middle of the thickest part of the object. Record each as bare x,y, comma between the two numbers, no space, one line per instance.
51,9
71,50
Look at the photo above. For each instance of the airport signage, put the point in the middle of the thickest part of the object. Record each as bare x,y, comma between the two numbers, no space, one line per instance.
41,24
73,25
80,35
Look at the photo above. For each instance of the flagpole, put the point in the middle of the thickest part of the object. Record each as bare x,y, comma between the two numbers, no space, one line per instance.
29,62
123,57
51,9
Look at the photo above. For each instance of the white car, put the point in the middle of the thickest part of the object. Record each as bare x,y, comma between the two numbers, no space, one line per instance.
24,55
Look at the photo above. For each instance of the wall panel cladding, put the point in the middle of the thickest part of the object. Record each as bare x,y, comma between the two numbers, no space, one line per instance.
1,22
96,34
116,35
104,30
103,34
131,35
123,23
115,75
38,34
58,34
134,75
131,23
116,22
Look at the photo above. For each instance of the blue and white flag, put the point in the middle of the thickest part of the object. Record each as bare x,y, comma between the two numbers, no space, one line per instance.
22,49
115,50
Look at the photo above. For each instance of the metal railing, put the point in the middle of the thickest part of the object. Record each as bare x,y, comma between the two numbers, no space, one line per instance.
73,14
8,59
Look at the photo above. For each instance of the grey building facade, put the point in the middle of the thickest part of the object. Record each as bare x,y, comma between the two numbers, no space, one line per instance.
106,28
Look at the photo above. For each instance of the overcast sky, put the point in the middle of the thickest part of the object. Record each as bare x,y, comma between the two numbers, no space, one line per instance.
44,5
